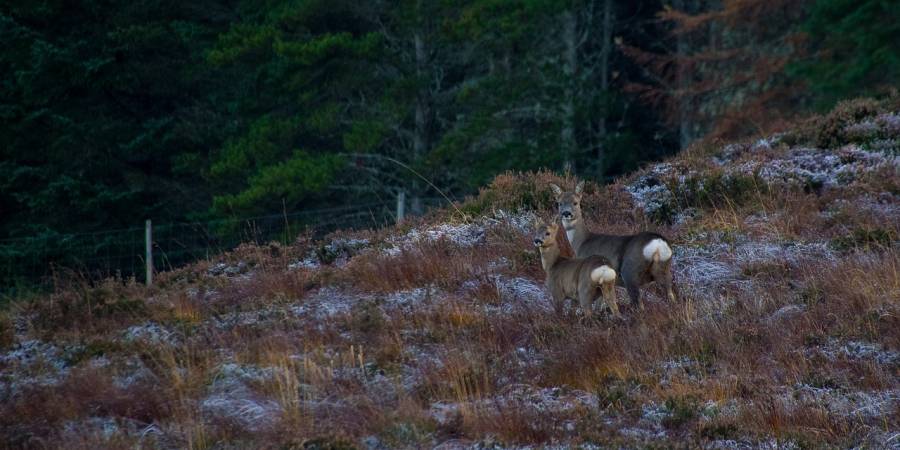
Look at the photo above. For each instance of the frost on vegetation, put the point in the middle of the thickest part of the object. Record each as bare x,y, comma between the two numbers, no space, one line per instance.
806,167
32,362
786,312
104,427
884,206
522,221
521,291
818,168
862,404
868,350
717,264
99,362
340,250
684,365
325,303
515,293
778,444
650,425
407,299
654,413
33,352
884,145
462,235
743,444
685,215
858,350
703,266
729,444
548,400
229,396
732,152
865,130
643,434
337,251
268,314
885,126
228,270
787,252
150,332
650,192
309,262
329,302
131,371
205,294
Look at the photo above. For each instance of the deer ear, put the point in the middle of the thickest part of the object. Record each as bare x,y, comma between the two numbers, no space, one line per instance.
538,222
579,187
556,189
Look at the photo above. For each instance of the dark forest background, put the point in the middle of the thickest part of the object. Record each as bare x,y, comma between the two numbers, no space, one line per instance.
183,111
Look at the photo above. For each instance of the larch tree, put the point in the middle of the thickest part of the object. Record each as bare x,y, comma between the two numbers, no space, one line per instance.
723,74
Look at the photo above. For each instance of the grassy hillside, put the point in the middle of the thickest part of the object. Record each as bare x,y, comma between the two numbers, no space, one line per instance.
438,332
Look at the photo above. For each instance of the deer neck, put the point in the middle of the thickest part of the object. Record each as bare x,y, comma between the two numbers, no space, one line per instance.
577,232
549,256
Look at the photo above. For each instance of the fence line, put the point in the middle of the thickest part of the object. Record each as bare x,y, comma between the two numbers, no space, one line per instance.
27,262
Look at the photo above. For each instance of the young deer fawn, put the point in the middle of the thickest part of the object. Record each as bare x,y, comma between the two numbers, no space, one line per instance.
638,258
575,278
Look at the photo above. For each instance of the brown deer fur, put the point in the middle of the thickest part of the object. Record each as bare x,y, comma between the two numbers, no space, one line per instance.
575,278
638,258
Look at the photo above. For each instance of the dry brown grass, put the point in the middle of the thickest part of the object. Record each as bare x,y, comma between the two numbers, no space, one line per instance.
738,359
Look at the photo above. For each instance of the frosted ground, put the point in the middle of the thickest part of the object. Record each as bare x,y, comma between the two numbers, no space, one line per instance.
243,359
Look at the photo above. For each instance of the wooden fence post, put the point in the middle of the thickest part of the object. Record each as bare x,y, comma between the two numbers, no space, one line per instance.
401,206
148,247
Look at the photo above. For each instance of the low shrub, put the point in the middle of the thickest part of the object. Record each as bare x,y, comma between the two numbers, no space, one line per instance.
865,239
681,409
517,191
830,130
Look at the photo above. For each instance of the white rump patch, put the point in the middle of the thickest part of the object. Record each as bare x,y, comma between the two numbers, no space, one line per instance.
657,250
603,274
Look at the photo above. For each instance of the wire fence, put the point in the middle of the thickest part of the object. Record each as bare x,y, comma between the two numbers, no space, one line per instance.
28,263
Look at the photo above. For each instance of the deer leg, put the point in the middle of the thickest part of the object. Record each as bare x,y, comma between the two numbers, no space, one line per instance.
585,299
634,293
632,277
559,299
667,283
673,293
663,275
609,295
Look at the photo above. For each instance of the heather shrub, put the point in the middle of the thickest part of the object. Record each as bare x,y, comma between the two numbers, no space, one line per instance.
83,305
517,191
7,331
681,409
864,239
713,190
832,127
324,443
431,333
830,130
718,190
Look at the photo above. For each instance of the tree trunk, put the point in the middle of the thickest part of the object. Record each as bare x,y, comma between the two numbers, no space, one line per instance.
605,50
420,132
681,84
570,67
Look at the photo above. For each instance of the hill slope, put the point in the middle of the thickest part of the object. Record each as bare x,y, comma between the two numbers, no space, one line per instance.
438,332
